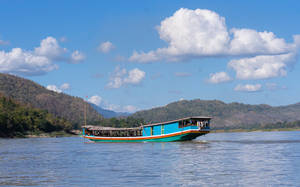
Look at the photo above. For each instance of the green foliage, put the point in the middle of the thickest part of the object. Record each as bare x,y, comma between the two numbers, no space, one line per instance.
120,122
223,115
58,104
17,119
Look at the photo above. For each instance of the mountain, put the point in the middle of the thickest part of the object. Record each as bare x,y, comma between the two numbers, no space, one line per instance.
231,115
18,120
58,104
109,113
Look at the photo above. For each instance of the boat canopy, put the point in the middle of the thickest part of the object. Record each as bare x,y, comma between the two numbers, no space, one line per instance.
112,132
197,118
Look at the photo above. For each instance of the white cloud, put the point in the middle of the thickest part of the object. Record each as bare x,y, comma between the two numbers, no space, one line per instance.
37,62
135,76
54,88
251,42
219,77
59,89
18,61
248,88
50,48
65,86
106,47
203,33
182,74
262,67
77,56
122,77
96,99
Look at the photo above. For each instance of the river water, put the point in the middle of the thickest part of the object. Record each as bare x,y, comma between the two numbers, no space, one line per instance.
217,159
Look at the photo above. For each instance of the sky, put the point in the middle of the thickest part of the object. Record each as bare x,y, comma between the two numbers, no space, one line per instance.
133,55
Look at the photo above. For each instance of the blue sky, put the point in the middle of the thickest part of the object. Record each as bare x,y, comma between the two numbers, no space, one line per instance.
132,55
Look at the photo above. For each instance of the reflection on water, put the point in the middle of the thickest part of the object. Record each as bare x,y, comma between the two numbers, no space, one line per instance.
235,159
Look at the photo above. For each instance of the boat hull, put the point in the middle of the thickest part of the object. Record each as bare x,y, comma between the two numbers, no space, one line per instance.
178,136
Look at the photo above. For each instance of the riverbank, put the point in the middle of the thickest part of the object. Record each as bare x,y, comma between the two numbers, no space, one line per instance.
40,134
48,135
254,130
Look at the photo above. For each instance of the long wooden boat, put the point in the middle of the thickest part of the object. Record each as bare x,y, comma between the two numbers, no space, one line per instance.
177,130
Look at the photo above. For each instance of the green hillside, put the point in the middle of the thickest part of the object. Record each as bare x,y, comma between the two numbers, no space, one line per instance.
18,120
58,104
224,115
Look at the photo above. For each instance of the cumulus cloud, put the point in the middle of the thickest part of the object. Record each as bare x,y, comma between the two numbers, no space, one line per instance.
96,99
248,88
262,67
77,56
135,76
65,86
251,42
18,61
203,33
219,77
106,47
58,89
54,88
50,48
122,77
36,62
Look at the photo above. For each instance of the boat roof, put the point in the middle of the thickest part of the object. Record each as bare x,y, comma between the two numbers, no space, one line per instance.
91,127
181,119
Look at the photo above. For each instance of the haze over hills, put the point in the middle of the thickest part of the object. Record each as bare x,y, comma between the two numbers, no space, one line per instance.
109,113
71,108
224,115
59,104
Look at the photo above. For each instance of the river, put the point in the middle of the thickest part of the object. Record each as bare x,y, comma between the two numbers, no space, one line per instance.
217,159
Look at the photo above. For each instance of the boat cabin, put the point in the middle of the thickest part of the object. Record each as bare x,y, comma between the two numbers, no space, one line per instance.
163,128
190,123
111,132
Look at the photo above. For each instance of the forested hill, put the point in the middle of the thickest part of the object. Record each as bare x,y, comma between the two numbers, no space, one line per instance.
58,104
19,120
224,115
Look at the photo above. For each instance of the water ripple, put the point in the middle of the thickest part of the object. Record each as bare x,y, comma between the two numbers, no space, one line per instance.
221,159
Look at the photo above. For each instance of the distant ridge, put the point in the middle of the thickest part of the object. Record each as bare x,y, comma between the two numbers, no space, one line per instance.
224,115
109,113
59,104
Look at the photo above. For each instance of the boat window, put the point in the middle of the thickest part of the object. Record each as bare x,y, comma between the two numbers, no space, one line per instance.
162,129
203,123
151,130
194,122
186,123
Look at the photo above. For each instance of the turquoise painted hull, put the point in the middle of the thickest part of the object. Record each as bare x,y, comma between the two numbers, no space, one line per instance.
180,137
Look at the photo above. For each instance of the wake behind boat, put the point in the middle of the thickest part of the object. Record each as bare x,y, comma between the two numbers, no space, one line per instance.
177,130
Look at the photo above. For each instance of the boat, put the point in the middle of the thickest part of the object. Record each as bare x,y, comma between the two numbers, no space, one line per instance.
183,129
